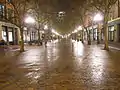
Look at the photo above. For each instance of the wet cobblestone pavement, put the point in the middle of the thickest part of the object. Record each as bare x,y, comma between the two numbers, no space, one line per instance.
63,65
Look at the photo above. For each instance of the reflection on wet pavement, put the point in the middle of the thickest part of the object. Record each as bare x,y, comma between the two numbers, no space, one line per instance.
62,65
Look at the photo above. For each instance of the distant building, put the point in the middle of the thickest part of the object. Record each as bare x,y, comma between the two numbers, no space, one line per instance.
113,25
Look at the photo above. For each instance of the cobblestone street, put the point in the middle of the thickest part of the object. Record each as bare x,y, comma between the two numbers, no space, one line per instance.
62,65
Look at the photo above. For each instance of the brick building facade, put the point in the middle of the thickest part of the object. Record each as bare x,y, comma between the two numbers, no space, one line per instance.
8,31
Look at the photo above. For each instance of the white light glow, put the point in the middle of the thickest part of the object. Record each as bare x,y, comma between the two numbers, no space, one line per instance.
29,20
53,35
46,27
68,35
75,31
78,48
79,28
25,28
42,32
53,31
61,12
98,17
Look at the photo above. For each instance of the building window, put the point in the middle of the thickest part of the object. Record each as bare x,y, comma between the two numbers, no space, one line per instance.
10,36
4,33
1,11
111,33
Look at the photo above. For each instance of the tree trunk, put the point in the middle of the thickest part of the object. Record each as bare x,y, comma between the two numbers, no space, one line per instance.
22,40
38,37
106,47
88,37
98,34
83,36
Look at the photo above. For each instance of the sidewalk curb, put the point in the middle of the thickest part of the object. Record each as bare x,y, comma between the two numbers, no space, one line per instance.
112,47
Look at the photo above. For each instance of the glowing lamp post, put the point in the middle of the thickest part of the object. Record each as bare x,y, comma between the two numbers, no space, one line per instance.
45,27
79,28
98,18
29,20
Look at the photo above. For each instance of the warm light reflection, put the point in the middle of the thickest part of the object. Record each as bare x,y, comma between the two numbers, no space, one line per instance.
73,41
78,48
56,33
30,57
34,76
55,41
32,60
52,52
97,67
97,64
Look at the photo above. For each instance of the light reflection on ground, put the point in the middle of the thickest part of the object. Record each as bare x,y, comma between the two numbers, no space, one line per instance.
62,66
78,48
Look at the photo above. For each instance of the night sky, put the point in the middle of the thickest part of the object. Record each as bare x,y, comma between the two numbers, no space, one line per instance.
70,19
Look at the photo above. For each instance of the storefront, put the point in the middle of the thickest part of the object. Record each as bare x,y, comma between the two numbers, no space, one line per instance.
114,30
93,32
111,33
10,35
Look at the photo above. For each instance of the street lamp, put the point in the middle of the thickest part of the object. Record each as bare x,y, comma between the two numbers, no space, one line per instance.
61,13
75,31
45,27
56,33
79,28
29,20
98,18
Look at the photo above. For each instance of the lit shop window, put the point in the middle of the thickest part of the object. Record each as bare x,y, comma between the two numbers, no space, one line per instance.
1,10
10,36
4,37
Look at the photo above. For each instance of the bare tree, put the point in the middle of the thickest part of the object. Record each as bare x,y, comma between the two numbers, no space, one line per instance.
38,17
104,6
42,12
82,14
20,9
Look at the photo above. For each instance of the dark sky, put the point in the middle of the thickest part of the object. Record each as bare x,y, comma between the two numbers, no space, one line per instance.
70,19
64,5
